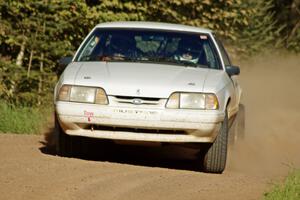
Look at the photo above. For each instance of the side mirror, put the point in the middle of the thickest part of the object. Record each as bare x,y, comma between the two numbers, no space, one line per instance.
63,63
232,70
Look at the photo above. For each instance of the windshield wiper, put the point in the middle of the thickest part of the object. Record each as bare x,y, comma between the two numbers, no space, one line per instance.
162,59
107,58
174,61
187,63
117,58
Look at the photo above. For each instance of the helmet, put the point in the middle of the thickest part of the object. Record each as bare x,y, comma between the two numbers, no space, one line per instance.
189,48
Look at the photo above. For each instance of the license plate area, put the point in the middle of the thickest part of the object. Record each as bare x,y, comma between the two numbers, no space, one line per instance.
121,113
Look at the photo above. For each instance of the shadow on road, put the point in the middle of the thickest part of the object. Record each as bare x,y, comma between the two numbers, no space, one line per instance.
167,156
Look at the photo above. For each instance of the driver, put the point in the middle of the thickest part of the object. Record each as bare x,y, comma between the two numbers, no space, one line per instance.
188,50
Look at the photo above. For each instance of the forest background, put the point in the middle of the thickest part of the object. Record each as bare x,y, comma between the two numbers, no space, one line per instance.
35,34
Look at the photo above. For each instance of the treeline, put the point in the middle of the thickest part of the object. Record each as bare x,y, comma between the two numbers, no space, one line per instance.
35,34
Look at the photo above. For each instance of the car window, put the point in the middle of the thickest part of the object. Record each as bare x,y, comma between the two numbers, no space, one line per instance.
156,46
211,57
224,54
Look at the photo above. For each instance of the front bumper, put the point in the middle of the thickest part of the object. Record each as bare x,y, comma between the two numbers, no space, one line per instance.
80,119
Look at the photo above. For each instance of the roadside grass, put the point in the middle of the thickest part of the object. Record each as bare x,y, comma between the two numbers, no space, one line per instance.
23,120
290,190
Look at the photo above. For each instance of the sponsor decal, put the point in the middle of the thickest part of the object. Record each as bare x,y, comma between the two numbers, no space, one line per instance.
203,37
88,114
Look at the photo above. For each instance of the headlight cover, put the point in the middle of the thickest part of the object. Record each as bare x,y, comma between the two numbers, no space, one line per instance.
82,94
188,100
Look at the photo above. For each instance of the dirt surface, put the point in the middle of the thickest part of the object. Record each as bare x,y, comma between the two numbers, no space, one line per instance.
29,168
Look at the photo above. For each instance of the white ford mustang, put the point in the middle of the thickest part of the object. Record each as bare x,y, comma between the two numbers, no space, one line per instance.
150,82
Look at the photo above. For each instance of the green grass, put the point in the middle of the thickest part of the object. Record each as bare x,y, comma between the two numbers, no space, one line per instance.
23,120
290,190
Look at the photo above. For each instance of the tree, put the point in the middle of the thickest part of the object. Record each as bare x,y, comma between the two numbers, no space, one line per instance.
35,34
287,15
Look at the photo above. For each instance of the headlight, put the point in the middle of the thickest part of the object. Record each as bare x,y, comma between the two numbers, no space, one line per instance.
193,101
64,93
82,94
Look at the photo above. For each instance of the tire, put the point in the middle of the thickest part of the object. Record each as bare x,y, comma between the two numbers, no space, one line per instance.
63,141
241,121
237,130
214,160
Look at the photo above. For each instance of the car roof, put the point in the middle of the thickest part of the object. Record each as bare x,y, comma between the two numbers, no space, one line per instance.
153,25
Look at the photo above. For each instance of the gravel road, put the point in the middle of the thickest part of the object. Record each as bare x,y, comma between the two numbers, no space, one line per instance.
29,168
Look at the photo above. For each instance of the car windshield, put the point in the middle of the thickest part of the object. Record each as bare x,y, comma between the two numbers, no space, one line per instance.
150,46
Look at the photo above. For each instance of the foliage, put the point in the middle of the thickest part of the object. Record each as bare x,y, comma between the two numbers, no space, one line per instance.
225,17
22,120
290,190
261,31
287,14
35,34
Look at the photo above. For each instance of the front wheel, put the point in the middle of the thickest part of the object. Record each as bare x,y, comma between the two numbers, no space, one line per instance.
215,156
64,142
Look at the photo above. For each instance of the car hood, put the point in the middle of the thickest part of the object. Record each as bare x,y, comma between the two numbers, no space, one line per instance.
145,79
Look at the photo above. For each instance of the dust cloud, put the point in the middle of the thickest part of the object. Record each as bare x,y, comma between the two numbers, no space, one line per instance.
271,95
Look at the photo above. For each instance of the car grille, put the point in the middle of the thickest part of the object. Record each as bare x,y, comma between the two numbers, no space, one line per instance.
132,101
144,100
